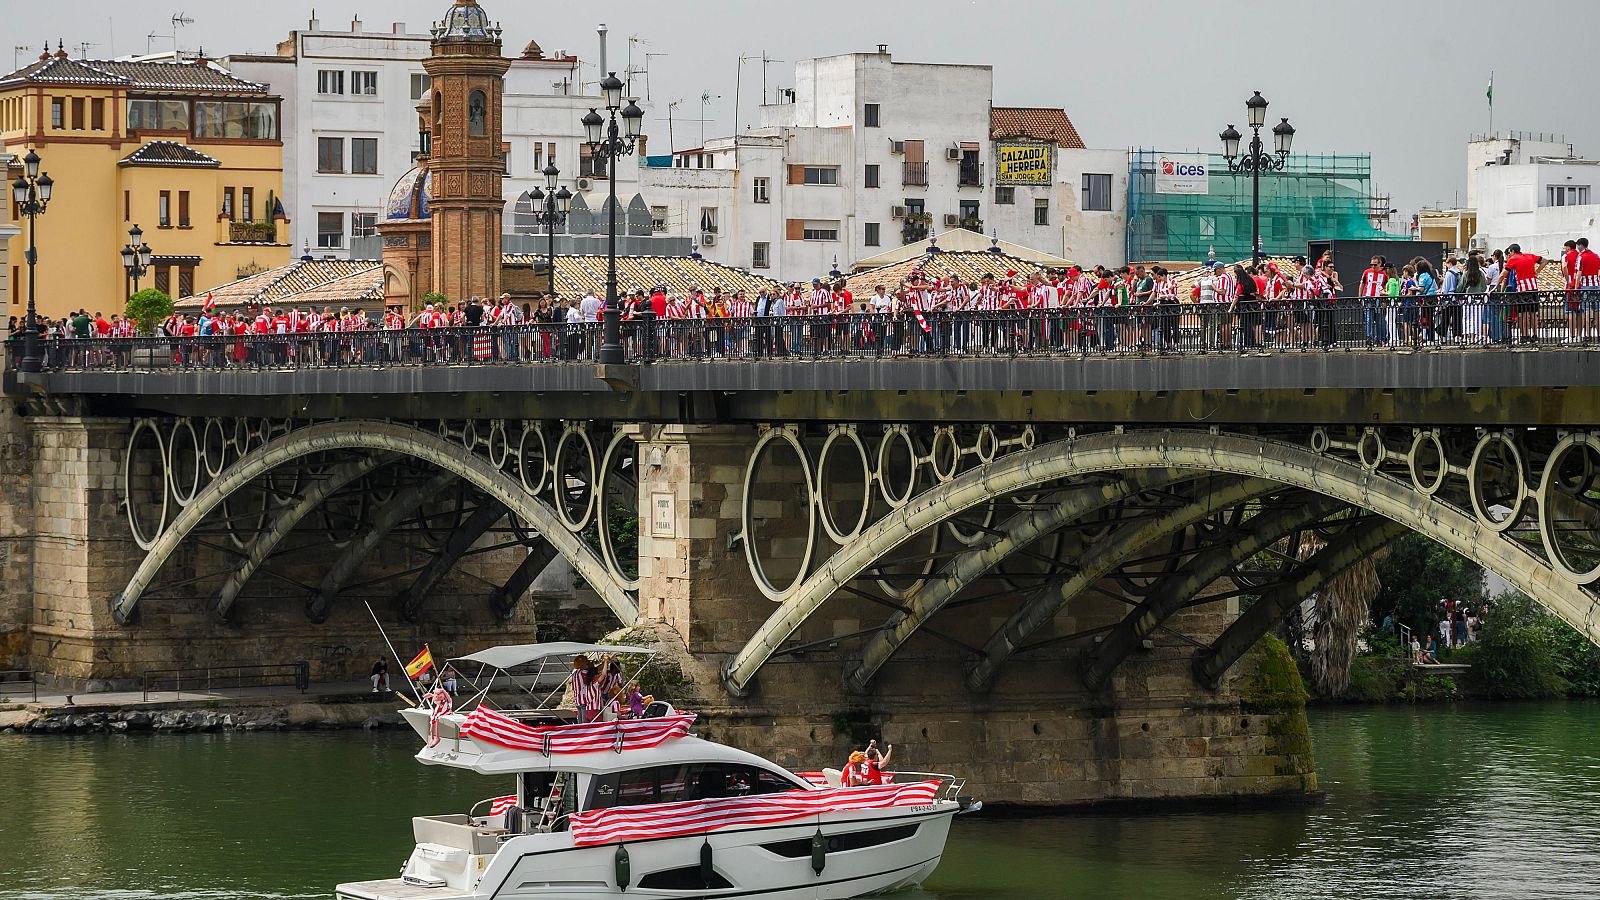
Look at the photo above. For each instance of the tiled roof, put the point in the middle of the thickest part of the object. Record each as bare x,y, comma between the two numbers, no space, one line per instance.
169,153
1035,123
968,266
144,76
283,283
578,274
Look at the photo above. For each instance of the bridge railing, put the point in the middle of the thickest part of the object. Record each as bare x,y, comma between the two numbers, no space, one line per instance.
11,680
1457,322
209,679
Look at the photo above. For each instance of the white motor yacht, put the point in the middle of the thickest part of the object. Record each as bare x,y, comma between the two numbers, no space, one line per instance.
639,807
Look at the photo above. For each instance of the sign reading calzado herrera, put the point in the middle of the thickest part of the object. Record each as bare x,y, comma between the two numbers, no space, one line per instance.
1022,164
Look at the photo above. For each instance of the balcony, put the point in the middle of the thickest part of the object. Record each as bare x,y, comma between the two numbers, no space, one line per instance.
971,173
249,232
914,174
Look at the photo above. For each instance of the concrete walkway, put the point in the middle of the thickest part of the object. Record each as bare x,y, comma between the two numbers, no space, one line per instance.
345,691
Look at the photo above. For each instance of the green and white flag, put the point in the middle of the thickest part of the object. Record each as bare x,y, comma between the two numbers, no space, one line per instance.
1490,92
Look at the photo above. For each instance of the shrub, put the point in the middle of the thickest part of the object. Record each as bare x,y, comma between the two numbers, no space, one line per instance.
1373,679
149,308
1519,655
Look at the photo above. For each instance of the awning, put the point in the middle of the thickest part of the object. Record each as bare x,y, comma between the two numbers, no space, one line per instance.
513,655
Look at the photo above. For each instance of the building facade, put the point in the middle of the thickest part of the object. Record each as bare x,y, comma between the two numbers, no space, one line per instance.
11,301
1531,190
866,153
187,151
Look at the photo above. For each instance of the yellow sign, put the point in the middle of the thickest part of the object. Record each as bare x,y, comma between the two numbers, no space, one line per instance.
1022,164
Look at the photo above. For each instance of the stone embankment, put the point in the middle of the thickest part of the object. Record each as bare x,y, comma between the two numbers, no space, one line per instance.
202,716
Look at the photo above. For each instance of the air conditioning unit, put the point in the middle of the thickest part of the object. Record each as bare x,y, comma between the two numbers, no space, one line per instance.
707,239
897,147
897,212
585,184
951,219
1478,242
953,154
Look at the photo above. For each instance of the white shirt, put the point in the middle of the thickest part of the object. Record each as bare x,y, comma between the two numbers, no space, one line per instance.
589,309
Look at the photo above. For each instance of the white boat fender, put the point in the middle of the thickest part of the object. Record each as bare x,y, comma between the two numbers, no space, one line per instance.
624,868
969,805
708,870
819,852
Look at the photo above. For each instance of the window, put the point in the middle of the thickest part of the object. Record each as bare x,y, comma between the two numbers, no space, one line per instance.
1096,192
163,279
183,210
761,255
477,114
247,207
869,117
57,113
915,206
419,85
758,187
822,175
364,156
1041,212
708,219
77,113
1005,196
330,230
330,81
872,238
363,225
1208,228
164,210
330,155
870,176
127,206
692,781
364,83
658,218
969,214
1567,195
589,165
97,114
820,231
186,281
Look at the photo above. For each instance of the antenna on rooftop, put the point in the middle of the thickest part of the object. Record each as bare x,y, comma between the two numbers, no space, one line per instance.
179,20
705,100
15,50
83,48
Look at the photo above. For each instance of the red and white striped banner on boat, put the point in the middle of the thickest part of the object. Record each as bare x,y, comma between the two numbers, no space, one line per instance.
621,824
486,724
498,805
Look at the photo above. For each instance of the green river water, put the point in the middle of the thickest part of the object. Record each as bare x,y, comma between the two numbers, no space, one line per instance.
1427,802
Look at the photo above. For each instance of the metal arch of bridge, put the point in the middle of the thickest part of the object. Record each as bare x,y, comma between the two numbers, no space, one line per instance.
461,539
1294,465
378,436
406,501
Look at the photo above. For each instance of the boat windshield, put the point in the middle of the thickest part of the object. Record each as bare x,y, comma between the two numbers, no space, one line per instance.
684,782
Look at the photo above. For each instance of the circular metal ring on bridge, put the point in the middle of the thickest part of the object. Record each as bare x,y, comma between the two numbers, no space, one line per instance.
499,446
220,453
920,575
747,525
1029,437
987,445
970,538
835,533
944,437
1571,470
262,432
608,552
1319,440
902,434
174,480
469,435
1427,462
1370,449
382,484
240,439
523,458
1510,487
574,435
141,426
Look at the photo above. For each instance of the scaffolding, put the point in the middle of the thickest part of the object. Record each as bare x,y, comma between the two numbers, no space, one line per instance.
1315,197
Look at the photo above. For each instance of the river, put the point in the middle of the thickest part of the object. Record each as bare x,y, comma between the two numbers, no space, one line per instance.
1438,802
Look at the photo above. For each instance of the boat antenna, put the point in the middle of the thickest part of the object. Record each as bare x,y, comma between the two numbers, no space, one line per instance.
392,650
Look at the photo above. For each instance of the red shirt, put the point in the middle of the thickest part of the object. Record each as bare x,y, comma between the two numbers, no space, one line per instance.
658,304
102,327
1526,267
1569,265
1588,264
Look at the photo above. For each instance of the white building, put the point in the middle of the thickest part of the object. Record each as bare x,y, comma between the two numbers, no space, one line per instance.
1533,191
351,130
865,154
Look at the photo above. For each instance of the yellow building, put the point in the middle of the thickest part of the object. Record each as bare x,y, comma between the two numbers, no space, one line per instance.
185,150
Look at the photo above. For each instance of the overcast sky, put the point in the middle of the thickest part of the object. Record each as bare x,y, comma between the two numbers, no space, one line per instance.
1402,80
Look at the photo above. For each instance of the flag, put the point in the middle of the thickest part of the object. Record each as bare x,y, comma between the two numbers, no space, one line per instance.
211,303
421,663
652,821
1490,92
498,805
493,727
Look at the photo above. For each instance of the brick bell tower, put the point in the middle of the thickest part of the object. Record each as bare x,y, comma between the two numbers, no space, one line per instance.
465,158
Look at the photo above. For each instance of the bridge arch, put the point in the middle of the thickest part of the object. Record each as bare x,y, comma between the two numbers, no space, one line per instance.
1286,463
379,437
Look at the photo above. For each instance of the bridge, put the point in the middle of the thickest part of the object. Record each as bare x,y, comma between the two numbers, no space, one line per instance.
1052,571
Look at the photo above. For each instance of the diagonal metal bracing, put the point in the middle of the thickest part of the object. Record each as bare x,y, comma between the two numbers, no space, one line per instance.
401,507
455,546
1174,591
1016,534
540,556
1330,561
263,544
1103,558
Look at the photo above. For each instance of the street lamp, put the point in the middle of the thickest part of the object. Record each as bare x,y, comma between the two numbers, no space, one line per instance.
1257,159
136,256
610,141
31,191
556,206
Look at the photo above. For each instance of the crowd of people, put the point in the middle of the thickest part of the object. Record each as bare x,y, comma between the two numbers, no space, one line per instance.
1459,625
1476,299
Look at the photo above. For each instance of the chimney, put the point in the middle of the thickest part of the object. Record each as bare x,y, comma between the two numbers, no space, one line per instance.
398,28
315,24
355,25
883,49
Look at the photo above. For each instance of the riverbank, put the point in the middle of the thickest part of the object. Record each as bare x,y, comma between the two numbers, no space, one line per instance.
328,707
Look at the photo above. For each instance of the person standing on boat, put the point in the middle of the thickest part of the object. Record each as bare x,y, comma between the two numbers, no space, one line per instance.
612,684
878,764
586,696
856,772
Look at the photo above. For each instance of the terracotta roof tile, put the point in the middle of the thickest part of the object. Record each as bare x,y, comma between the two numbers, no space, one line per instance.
968,266
169,153
144,76
1034,123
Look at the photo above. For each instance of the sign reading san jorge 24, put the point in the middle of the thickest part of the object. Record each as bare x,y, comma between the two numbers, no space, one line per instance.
1022,164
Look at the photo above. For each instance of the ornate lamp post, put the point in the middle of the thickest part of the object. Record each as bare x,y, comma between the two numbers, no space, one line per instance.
556,206
610,141
136,256
1257,160
32,193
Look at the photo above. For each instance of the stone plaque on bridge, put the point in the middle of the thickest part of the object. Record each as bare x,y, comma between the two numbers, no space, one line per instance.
663,515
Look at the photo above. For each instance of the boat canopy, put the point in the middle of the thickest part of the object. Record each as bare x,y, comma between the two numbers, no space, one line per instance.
513,655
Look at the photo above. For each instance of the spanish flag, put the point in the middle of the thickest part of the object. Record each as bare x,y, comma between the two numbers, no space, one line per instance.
422,663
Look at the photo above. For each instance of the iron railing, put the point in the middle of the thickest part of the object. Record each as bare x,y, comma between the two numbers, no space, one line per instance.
209,679
1509,321
913,174
24,678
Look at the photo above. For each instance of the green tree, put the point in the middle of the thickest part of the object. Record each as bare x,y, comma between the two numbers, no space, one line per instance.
1415,574
1520,651
149,308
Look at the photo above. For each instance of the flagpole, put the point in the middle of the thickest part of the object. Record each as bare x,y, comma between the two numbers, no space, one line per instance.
1491,103
397,659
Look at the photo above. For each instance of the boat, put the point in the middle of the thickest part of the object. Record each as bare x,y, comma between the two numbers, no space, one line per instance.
641,807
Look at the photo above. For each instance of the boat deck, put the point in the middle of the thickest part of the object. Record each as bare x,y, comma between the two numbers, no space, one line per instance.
395,889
